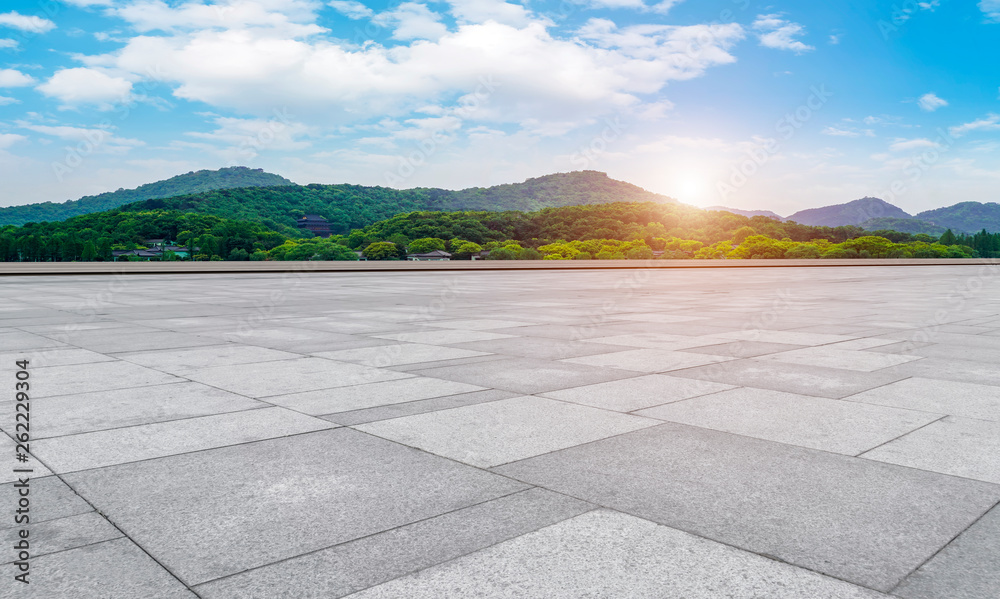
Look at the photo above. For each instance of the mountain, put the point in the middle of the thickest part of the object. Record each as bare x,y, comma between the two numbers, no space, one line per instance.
355,206
749,213
967,217
851,213
193,182
903,225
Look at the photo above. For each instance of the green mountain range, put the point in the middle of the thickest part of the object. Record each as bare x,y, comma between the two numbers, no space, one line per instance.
193,182
349,207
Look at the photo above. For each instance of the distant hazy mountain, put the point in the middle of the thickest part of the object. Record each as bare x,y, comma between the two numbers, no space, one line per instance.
851,213
903,225
355,206
193,182
967,217
748,213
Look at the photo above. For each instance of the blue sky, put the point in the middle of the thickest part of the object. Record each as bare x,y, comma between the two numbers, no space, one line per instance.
779,105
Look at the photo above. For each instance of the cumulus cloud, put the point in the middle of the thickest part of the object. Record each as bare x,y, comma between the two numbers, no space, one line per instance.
14,78
905,145
775,32
839,132
8,43
9,139
351,9
930,102
991,9
103,141
29,23
292,18
411,20
989,123
535,75
78,86
5,100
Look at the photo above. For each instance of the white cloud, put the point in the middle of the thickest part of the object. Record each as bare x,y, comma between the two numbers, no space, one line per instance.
86,86
241,140
5,100
930,102
411,20
989,123
835,38
603,70
839,132
86,3
351,9
904,145
8,43
9,139
283,18
481,11
780,34
991,8
29,23
103,141
14,78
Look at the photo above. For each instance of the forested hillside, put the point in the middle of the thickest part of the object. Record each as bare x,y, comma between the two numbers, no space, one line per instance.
193,182
350,207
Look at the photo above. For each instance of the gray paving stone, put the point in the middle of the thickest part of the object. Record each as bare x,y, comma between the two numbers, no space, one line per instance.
294,339
539,347
369,561
965,569
289,376
50,499
88,412
61,535
858,520
637,393
99,376
493,433
742,349
608,554
9,449
178,361
20,341
480,324
816,422
649,360
442,337
359,397
417,407
130,444
659,341
115,569
398,354
817,381
111,340
522,375
954,398
830,356
54,356
789,337
258,503
953,445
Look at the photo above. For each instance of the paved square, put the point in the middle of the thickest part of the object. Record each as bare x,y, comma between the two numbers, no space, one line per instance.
789,433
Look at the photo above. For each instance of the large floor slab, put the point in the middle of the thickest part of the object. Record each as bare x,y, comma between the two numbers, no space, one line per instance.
216,419
859,520
258,503
608,554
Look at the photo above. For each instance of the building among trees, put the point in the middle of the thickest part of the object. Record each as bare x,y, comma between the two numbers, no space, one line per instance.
319,226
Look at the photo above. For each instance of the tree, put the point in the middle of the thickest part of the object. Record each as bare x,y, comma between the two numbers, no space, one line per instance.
89,253
465,250
425,245
742,233
381,250
239,254
947,238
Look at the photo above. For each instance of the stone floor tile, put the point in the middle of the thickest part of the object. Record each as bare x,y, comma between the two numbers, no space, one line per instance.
493,433
637,393
370,395
523,375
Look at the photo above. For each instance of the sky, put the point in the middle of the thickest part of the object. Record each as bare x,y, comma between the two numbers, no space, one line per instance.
775,105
